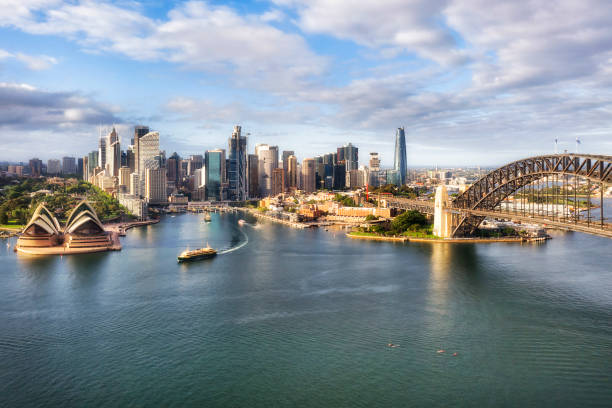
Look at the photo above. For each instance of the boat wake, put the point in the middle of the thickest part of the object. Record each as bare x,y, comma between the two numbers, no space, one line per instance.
237,247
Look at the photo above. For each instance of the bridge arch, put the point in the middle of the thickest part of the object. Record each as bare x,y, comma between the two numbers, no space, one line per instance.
490,190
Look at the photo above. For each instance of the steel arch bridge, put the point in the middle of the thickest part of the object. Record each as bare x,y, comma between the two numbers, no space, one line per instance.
492,189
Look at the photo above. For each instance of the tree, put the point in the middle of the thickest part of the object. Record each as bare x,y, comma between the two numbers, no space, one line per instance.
3,216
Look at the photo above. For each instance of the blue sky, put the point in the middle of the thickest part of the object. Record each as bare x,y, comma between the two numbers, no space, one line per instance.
473,82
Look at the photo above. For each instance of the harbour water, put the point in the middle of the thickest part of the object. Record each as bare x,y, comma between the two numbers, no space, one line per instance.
303,318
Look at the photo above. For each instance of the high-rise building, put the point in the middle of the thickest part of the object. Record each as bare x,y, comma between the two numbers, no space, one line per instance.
214,162
92,163
35,167
113,154
139,131
374,162
134,184
54,166
309,172
349,156
292,176
253,176
80,167
85,168
130,159
148,156
124,179
173,165
286,154
400,164
102,151
237,168
155,191
278,181
339,176
196,161
69,165
268,161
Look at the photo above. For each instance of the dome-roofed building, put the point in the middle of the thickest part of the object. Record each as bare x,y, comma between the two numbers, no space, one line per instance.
43,230
84,229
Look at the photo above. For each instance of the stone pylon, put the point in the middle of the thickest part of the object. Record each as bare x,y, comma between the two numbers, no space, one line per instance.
443,218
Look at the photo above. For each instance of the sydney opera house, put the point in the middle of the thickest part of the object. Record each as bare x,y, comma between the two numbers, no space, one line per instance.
82,233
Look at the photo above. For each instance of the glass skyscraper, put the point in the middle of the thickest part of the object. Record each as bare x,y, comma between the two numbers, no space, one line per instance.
237,166
400,156
214,162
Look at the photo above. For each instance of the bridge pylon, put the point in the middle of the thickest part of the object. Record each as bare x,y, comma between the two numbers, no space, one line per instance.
443,217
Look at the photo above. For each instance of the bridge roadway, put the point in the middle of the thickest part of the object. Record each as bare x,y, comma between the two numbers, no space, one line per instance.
427,207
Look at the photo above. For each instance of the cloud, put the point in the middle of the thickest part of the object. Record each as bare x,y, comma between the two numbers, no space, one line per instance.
33,62
392,26
195,35
24,107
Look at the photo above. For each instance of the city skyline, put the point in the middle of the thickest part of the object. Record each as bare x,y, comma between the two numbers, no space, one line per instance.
463,84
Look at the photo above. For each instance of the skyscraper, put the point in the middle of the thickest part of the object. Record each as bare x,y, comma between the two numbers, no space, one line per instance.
286,154
268,161
69,165
155,191
148,156
214,162
278,181
173,165
139,131
35,167
113,154
292,176
309,171
253,176
54,166
400,156
102,151
237,166
349,156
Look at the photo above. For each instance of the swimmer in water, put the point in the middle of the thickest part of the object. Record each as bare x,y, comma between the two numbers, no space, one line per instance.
441,351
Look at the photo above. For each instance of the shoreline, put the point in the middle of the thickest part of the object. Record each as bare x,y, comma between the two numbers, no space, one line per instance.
444,240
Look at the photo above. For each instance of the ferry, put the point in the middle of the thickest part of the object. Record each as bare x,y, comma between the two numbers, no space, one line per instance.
197,254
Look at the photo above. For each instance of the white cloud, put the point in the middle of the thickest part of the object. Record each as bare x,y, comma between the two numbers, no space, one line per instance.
33,62
195,35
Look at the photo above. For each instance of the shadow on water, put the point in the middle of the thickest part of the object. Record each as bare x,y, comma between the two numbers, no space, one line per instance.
85,268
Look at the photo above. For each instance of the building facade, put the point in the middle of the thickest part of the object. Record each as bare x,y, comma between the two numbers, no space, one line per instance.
237,180
400,164
309,172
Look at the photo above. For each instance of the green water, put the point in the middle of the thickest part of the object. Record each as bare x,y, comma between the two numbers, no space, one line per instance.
303,318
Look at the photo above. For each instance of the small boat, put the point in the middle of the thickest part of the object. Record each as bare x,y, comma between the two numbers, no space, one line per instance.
197,254
207,217
241,222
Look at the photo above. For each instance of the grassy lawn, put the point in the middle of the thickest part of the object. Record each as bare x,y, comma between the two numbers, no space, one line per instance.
12,225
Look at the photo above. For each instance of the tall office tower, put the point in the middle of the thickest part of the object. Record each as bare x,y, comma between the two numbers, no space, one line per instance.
309,171
113,154
196,161
237,168
134,184
148,157
214,162
155,191
35,167
292,177
268,161
393,177
124,179
130,159
374,162
79,170
69,165
330,158
253,176
102,151
278,181
173,165
92,163
339,176
85,170
199,178
54,166
351,157
139,131
400,164
286,154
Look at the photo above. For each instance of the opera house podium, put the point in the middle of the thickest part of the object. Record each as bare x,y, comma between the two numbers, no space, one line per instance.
83,233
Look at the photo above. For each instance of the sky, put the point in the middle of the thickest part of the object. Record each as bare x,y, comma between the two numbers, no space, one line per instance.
473,82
